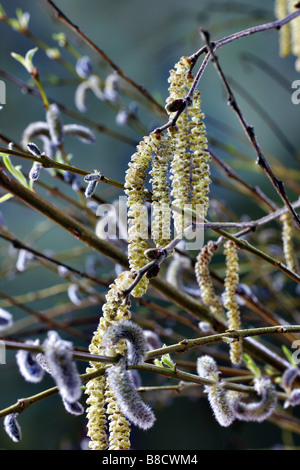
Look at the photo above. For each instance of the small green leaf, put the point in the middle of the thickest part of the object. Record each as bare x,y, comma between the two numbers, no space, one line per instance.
27,60
165,361
6,197
15,171
288,354
250,364
2,12
158,363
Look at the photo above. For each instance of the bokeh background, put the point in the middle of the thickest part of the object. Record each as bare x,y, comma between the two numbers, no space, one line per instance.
145,39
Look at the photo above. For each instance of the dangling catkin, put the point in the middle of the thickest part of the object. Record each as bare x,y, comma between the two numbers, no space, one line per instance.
281,11
137,211
161,201
233,313
295,33
209,298
287,239
189,167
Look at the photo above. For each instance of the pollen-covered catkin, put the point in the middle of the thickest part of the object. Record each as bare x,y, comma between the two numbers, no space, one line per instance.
232,307
190,171
200,158
281,11
161,201
179,80
119,426
208,295
135,180
295,33
287,239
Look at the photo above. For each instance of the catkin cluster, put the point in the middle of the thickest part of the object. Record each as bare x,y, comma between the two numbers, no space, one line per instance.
289,34
182,150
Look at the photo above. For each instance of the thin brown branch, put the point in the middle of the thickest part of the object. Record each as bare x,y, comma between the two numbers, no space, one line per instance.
261,160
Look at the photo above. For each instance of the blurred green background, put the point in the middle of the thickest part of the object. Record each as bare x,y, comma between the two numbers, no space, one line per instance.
145,39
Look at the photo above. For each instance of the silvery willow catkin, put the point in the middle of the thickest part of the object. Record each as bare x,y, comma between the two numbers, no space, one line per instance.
119,378
28,364
217,395
6,319
12,427
59,357
254,410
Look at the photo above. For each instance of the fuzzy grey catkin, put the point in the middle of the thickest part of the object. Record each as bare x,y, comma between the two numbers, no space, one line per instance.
217,395
255,410
81,132
12,427
28,364
128,399
84,67
24,258
129,331
35,171
207,367
288,377
121,381
74,408
55,125
59,357
293,398
6,319
33,148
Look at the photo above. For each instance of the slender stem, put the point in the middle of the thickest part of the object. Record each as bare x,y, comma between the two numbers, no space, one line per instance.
42,92
188,344
49,163
246,32
261,160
